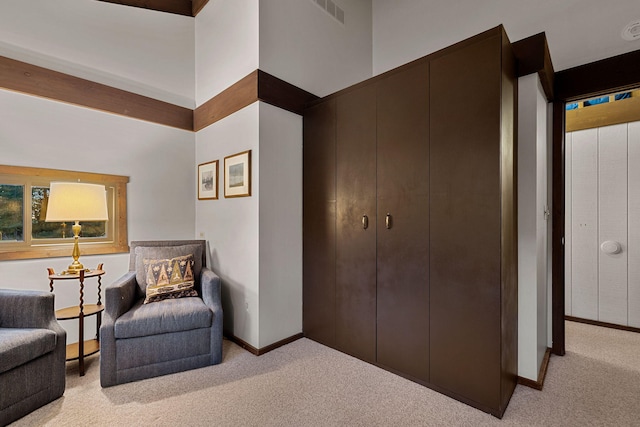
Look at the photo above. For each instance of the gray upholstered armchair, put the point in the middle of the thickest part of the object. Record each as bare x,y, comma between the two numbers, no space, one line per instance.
32,353
142,340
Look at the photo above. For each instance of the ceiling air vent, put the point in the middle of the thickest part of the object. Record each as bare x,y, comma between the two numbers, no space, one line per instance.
632,31
331,8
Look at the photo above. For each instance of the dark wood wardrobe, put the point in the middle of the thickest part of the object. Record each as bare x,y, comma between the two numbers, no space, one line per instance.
409,221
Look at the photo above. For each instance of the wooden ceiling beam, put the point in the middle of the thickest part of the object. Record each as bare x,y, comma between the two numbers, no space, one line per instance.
179,7
38,81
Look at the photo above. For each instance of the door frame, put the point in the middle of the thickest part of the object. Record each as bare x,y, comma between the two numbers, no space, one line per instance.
596,78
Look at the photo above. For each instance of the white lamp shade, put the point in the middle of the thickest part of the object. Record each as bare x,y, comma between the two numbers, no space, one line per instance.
76,201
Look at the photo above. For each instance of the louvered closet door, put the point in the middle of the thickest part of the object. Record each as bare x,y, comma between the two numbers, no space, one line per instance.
612,224
603,186
403,238
634,224
584,224
355,223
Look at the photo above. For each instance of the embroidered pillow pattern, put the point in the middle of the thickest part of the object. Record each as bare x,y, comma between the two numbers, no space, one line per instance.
169,278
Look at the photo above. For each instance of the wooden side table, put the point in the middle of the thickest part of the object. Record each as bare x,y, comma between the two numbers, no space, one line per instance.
82,348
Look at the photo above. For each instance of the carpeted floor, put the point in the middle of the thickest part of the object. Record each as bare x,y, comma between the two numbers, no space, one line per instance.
306,384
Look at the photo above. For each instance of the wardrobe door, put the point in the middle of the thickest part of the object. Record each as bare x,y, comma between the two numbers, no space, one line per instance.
403,222
355,223
465,252
319,226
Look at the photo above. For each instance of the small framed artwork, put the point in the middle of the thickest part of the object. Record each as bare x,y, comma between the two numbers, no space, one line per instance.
208,181
237,175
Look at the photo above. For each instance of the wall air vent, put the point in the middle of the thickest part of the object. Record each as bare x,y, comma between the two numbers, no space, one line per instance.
632,31
331,8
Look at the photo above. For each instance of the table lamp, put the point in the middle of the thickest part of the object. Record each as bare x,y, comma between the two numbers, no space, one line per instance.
76,201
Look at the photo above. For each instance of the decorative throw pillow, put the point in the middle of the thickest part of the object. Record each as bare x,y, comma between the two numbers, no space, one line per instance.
169,278
165,252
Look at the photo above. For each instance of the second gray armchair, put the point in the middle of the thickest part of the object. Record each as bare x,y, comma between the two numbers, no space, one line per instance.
32,353
142,340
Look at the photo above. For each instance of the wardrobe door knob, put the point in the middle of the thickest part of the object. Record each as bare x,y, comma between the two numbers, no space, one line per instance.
388,222
365,222
611,247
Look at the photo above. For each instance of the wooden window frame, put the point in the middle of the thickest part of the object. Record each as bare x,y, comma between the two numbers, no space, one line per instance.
48,248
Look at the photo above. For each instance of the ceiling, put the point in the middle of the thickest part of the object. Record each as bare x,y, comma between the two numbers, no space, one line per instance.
578,31
581,31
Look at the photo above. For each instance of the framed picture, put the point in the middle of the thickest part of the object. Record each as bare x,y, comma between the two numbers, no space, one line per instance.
237,175
208,181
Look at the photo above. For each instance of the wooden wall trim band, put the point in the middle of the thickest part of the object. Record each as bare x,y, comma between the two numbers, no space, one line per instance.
541,375
259,352
597,78
603,324
33,80
179,7
532,54
279,93
237,96
257,86
197,6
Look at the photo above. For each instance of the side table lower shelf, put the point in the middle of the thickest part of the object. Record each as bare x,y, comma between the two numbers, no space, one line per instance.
88,347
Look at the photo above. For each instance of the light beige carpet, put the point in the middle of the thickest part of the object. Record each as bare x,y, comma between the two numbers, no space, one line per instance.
306,384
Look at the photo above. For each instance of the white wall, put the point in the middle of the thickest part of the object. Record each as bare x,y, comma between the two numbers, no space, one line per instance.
256,242
305,46
404,30
532,226
158,160
226,40
138,50
226,44
231,225
280,224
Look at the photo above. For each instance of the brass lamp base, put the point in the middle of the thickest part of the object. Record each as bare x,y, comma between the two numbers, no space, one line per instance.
76,266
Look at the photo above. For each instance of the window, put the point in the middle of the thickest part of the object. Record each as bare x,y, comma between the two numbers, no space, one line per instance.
24,233
606,110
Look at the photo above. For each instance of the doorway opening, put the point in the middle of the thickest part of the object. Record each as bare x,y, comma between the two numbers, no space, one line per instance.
612,75
602,210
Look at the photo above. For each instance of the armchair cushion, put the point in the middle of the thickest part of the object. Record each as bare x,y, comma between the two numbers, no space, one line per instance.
165,252
169,278
19,346
172,315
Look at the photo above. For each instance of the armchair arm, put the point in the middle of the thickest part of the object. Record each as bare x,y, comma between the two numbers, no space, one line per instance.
211,292
211,295
120,296
26,309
